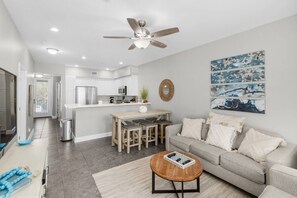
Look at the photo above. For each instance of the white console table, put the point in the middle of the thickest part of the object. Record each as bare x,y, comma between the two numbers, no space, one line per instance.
34,156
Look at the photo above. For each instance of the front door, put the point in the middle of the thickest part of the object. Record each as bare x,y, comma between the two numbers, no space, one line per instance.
42,102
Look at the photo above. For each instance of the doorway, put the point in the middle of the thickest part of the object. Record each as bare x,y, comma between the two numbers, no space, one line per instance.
43,102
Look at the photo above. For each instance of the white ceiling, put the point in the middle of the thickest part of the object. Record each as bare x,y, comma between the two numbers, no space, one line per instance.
83,23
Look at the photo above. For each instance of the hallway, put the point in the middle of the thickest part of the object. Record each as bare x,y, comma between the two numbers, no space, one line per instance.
71,165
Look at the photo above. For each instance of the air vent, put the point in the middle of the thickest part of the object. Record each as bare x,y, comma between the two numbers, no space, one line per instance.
94,73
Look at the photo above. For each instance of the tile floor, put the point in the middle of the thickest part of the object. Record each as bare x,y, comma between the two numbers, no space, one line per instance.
71,165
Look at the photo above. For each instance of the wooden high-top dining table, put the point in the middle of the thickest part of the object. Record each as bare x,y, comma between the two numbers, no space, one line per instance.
120,117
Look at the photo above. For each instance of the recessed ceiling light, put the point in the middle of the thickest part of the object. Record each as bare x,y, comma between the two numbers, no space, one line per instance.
52,51
106,68
54,29
38,75
121,62
83,57
76,66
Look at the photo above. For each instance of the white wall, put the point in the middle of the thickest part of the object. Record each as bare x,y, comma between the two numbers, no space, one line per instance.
13,51
190,73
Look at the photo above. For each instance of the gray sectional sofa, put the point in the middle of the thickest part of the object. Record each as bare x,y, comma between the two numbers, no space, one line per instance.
232,167
283,183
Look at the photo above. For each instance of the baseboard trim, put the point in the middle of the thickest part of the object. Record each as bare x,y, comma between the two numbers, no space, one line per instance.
30,137
92,137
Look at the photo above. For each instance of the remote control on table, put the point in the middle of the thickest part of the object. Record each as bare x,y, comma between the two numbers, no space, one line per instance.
171,155
185,162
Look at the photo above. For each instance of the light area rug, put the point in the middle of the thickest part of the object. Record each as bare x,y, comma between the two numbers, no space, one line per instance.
134,180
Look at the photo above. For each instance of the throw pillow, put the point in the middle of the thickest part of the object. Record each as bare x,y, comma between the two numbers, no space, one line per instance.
192,128
221,136
257,145
231,121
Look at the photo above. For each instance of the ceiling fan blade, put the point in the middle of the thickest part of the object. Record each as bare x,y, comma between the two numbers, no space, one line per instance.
158,44
134,25
165,32
132,47
117,37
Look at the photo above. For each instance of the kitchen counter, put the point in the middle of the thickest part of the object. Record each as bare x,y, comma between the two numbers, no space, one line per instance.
78,106
95,121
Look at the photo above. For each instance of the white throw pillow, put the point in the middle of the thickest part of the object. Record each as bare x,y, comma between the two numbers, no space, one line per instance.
192,128
231,121
221,136
257,145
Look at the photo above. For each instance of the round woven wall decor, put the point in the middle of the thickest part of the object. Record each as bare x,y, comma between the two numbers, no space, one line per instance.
166,90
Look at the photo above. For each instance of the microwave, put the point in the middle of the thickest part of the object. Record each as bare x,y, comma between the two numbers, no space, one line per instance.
122,90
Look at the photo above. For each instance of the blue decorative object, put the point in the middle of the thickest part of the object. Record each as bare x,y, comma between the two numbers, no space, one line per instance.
9,181
2,145
238,83
24,142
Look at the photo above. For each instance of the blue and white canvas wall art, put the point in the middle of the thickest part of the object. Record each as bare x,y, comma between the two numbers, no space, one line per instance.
238,83
240,61
256,74
238,104
238,90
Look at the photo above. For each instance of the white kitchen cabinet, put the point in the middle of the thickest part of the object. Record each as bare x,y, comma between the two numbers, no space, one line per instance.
133,85
131,82
107,87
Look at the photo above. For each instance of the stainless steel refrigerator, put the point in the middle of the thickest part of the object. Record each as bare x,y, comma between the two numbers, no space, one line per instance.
85,95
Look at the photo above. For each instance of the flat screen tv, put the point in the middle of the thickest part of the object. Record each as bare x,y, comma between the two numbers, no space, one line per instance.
8,110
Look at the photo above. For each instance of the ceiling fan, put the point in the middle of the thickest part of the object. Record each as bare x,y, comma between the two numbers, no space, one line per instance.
142,37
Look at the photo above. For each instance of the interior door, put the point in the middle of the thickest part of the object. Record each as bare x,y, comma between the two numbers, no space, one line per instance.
42,106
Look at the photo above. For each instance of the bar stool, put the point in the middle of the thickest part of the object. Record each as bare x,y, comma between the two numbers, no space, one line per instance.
131,136
153,119
138,122
162,126
151,133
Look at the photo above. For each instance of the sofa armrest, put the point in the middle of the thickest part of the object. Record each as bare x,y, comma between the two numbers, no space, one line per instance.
284,178
171,130
284,155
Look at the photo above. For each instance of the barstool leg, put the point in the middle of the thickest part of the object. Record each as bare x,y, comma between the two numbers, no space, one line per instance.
146,136
156,135
139,140
162,133
128,141
123,138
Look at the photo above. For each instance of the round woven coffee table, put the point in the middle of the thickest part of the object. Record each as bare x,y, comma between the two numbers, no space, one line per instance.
173,173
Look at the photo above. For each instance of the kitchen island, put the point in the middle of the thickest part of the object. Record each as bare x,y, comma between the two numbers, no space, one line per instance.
95,121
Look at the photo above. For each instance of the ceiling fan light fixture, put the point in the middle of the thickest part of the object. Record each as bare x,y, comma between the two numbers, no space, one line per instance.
141,43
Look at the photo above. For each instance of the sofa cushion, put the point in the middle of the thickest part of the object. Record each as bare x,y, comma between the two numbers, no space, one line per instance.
207,152
272,192
243,166
182,142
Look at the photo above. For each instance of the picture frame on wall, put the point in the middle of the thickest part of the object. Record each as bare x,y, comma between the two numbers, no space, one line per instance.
238,83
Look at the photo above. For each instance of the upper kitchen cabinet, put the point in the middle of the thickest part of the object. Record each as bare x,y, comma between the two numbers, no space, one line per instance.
107,82
131,82
107,87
